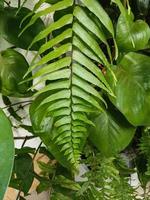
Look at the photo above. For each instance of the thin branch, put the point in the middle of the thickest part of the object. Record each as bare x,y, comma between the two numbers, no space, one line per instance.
19,3
23,138
15,104
7,3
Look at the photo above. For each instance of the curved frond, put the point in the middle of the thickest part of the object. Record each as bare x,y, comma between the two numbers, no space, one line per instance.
70,64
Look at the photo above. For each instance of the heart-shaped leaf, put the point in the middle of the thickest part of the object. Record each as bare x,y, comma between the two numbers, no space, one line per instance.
130,35
112,132
6,153
133,88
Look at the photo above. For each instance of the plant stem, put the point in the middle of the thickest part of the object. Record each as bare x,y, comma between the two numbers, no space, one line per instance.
7,3
18,103
19,3
27,138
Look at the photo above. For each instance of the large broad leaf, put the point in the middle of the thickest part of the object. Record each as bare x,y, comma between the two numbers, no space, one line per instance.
6,153
112,132
131,35
12,28
13,66
133,88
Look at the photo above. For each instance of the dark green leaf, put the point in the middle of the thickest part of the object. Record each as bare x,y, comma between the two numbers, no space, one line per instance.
12,28
13,66
112,132
25,150
6,153
23,173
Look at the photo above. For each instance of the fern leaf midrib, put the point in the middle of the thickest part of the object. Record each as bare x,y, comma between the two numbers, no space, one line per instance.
71,82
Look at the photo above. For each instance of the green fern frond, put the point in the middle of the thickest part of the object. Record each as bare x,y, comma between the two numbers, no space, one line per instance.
144,145
72,69
105,182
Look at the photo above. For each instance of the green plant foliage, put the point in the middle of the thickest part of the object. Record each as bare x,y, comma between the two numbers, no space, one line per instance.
52,1
1,4
104,181
112,132
11,20
131,35
89,79
142,159
22,176
59,196
132,88
42,126
72,72
6,153
13,66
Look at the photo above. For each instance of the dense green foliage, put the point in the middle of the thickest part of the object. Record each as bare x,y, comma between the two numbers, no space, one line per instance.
90,86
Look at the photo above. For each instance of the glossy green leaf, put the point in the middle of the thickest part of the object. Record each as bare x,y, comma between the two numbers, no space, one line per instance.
13,66
131,35
12,28
112,132
6,153
133,88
